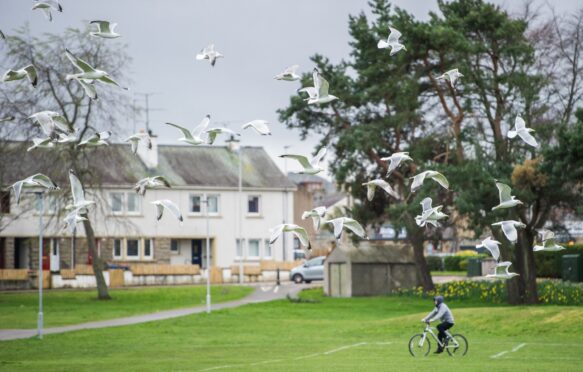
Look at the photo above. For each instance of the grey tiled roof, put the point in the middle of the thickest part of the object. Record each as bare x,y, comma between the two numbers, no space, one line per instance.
214,166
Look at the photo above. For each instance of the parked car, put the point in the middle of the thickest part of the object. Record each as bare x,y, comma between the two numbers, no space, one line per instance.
310,270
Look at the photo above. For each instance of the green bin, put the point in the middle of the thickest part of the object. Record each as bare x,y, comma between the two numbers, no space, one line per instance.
474,267
572,268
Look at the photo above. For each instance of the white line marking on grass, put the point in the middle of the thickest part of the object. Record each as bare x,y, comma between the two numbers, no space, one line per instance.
266,361
276,289
307,356
515,349
518,347
383,343
344,348
219,367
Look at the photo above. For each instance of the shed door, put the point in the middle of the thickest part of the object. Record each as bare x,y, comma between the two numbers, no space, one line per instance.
370,279
55,256
337,280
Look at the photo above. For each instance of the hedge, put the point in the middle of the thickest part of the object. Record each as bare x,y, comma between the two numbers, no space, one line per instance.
435,263
548,264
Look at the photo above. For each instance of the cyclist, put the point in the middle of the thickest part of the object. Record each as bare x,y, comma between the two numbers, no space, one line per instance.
442,313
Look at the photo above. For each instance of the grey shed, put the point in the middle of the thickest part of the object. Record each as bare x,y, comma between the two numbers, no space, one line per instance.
373,268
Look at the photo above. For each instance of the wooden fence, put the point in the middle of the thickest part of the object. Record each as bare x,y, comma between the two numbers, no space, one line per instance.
274,265
14,274
156,269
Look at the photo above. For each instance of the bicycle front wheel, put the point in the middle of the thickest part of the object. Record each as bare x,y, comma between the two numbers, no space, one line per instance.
457,346
416,348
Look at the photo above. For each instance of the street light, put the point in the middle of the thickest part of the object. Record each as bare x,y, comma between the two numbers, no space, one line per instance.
41,197
285,198
208,257
234,145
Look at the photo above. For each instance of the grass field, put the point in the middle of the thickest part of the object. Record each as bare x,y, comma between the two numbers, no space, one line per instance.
361,334
19,310
449,273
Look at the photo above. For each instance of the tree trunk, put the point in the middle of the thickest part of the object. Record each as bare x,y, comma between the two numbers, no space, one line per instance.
416,239
514,286
98,265
526,239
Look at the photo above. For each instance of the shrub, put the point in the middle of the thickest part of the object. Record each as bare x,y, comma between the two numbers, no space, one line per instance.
548,264
435,263
467,253
452,263
464,265
553,292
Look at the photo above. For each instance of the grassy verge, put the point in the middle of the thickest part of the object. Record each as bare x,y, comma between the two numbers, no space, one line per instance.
449,273
19,310
360,334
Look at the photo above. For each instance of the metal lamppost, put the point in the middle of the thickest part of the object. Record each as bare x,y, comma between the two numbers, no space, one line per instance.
234,145
285,200
208,257
41,197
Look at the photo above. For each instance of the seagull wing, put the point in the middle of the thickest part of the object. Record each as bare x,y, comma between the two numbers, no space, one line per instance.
355,227
275,233
527,137
108,80
301,233
338,224
319,156
311,91
259,125
370,189
387,187
301,158
159,210
173,208
44,181
76,188
510,230
291,69
162,180
316,79
548,234
31,74
394,36
185,132
492,246
320,210
519,124
324,87
78,62
17,186
202,126
440,178
102,25
426,204
88,88
504,191
418,181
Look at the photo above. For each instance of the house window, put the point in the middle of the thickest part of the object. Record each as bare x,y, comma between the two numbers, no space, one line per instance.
148,248
213,204
267,253
116,200
117,248
253,204
5,202
239,248
253,248
174,245
133,248
195,202
133,203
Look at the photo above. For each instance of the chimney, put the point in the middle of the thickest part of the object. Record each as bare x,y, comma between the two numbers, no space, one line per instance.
149,156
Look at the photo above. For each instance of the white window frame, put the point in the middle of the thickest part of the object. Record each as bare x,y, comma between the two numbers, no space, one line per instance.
127,204
218,212
140,247
190,212
258,255
121,247
177,250
266,247
120,212
259,205
151,255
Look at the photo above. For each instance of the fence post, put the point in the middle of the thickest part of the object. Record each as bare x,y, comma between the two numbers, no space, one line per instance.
277,277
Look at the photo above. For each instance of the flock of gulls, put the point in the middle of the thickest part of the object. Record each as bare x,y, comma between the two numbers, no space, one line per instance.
58,131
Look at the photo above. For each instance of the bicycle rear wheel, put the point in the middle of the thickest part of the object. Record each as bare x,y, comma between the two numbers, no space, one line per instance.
419,350
462,345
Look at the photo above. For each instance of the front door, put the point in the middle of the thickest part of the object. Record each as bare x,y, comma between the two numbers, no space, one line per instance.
55,258
196,249
2,253
46,254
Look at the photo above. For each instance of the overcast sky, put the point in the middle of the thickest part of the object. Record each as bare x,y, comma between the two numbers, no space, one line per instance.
259,39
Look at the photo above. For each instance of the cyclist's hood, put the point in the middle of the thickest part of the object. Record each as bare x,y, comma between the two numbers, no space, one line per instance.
438,300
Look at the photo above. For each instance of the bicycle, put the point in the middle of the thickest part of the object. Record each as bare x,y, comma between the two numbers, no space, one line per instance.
455,345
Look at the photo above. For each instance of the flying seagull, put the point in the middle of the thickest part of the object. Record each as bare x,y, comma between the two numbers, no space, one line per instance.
372,185
41,143
436,176
135,139
289,74
506,200
209,53
68,138
549,243
72,219
25,72
97,139
318,94
167,204
492,246
150,183
395,160
88,73
89,88
104,30
51,121
79,202
194,138
8,118
2,36
298,231
311,166
348,223
509,229
392,42
316,214
523,132
429,214
261,126
451,75
501,271
214,132
36,180
46,6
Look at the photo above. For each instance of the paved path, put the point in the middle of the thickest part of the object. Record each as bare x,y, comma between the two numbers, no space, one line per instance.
263,293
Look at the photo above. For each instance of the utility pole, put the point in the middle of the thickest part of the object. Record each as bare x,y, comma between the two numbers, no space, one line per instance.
148,109
285,148
208,256
41,196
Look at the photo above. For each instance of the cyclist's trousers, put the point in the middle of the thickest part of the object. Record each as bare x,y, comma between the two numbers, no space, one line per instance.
442,328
